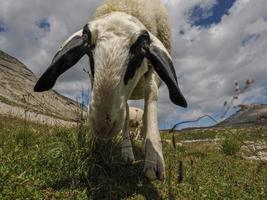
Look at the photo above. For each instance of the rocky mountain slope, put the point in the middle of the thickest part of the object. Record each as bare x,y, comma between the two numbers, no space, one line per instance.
18,99
250,114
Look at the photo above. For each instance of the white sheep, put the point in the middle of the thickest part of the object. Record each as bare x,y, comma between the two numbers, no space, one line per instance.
136,121
128,43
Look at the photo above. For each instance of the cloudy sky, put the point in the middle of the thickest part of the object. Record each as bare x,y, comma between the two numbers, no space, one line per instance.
216,43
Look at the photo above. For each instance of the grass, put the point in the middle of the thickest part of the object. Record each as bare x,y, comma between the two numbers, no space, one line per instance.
41,162
230,146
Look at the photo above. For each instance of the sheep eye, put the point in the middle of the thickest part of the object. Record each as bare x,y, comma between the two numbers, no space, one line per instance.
87,32
87,37
92,47
137,55
142,42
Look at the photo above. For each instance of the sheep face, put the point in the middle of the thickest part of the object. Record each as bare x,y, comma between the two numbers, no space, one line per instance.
113,38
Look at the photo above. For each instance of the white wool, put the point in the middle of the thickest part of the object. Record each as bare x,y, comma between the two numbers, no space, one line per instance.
135,117
151,13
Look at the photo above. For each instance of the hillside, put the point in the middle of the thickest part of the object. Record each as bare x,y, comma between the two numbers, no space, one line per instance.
247,115
17,97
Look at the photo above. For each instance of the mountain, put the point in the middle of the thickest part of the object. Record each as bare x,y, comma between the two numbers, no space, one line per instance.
17,98
249,114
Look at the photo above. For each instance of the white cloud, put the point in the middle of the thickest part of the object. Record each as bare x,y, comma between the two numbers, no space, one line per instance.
213,58
210,59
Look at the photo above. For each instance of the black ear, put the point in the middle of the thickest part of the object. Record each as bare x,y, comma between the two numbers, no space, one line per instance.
164,67
75,48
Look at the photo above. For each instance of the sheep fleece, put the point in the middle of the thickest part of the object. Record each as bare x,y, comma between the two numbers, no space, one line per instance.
150,12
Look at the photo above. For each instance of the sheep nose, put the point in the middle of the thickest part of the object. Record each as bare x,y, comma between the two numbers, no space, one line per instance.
104,131
108,119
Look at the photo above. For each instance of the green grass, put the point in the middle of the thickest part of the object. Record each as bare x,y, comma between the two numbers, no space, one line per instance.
230,146
40,162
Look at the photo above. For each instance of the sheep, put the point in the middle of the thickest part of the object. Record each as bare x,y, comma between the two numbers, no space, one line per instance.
128,45
136,121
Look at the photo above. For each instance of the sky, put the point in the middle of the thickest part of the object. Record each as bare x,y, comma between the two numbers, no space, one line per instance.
215,44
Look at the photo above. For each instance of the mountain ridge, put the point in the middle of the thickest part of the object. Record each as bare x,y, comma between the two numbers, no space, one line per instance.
248,114
17,95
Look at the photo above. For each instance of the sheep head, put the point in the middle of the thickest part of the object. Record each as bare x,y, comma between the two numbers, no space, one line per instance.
117,45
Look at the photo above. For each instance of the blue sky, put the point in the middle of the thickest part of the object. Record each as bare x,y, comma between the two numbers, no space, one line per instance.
44,24
206,17
215,43
2,27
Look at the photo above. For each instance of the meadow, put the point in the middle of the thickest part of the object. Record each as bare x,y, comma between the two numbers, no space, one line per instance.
43,162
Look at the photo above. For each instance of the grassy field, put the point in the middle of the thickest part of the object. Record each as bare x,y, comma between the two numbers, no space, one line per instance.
40,162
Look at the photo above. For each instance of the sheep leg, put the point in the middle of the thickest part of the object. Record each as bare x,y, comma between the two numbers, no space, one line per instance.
154,161
137,133
127,149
